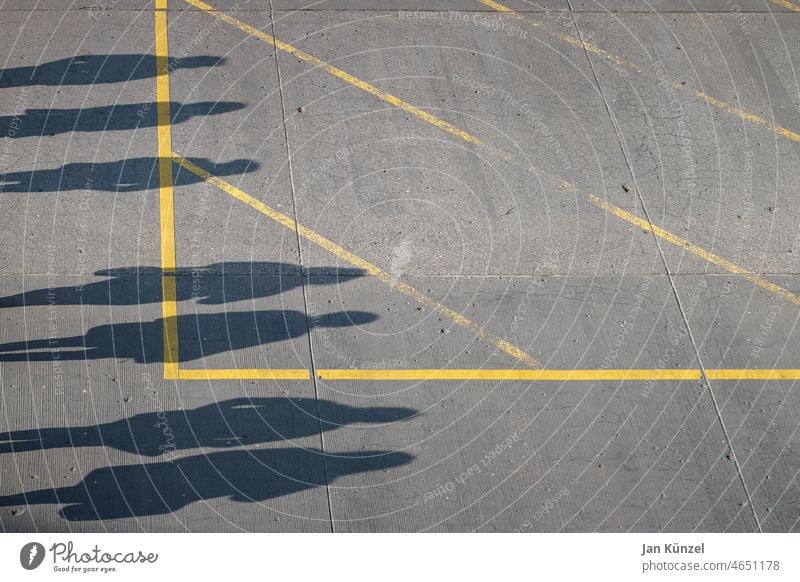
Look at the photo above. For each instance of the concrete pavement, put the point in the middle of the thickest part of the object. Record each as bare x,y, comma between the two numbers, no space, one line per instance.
416,266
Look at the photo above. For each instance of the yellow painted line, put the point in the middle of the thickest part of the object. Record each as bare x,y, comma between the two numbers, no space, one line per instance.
169,304
754,374
785,4
353,259
337,72
751,117
245,374
543,375
372,90
568,38
500,8
565,184
694,249
728,108
635,375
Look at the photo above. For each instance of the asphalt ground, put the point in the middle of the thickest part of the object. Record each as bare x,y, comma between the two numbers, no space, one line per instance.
399,266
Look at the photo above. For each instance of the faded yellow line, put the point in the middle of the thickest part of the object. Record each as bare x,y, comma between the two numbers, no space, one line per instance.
568,38
694,249
346,255
245,374
728,108
785,4
169,304
530,375
337,72
751,117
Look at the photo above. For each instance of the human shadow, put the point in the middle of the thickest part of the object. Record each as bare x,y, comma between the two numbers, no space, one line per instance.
201,335
214,284
225,424
131,175
98,69
165,487
48,122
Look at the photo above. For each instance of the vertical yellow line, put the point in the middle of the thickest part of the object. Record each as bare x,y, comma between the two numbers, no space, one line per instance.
169,303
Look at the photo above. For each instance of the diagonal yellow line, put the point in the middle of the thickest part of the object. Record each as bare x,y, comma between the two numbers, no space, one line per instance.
372,90
604,54
565,184
751,117
169,304
568,38
337,72
353,259
694,249
785,4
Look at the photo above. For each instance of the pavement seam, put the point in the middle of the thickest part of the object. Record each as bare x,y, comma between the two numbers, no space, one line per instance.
669,274
314,378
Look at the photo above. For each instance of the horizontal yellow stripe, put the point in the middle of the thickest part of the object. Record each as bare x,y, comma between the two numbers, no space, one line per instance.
245,374
575,375
694,249
751,374
481,374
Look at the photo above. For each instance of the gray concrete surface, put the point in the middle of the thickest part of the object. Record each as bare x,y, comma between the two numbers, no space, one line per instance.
94,438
